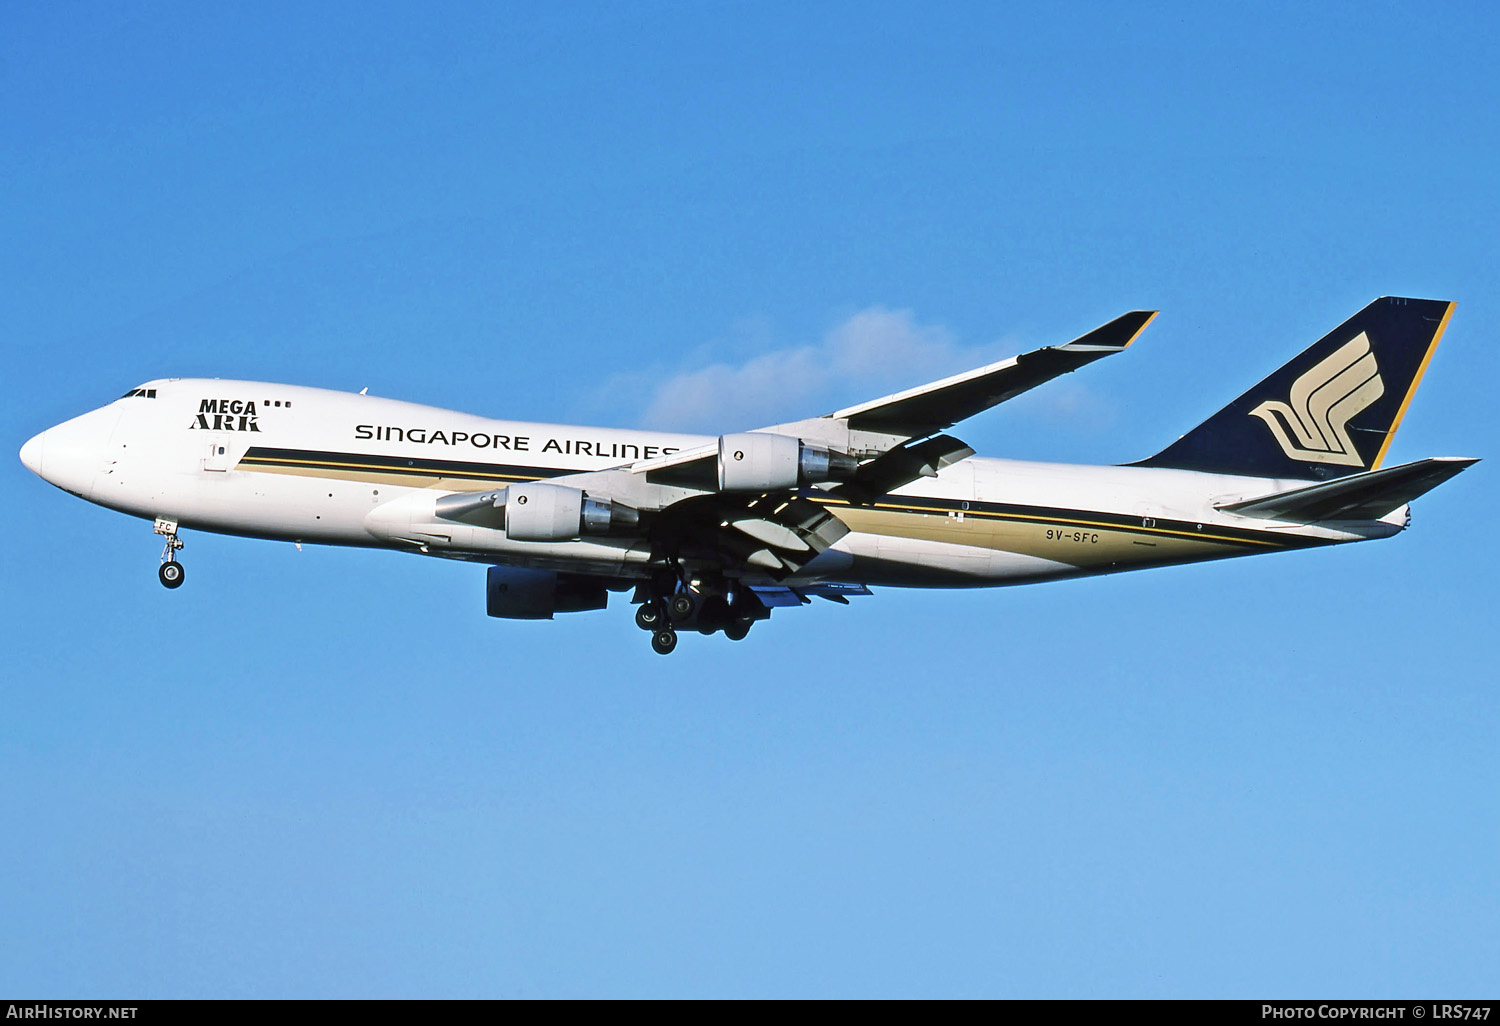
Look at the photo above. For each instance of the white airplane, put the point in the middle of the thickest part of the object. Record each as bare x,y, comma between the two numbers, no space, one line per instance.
713,533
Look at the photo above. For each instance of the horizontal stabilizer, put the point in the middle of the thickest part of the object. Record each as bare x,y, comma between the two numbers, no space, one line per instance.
1367,496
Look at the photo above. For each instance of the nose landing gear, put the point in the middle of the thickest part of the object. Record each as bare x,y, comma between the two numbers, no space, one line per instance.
171,573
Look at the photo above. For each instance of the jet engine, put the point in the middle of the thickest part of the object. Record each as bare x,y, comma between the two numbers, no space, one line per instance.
539,512
519,594
549,512
756,461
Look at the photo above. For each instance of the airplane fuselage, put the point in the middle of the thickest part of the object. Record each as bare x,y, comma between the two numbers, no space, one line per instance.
312,465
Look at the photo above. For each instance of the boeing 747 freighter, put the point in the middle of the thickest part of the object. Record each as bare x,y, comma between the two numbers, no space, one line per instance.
713,533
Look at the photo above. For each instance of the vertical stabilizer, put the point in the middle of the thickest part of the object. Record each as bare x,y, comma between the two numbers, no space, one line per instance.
1330,412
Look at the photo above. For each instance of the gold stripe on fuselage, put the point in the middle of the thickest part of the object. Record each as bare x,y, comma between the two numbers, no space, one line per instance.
468,482
1076,539
1083,521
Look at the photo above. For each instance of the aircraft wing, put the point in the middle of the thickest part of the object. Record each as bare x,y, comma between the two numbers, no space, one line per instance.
891,428
927,409
675,501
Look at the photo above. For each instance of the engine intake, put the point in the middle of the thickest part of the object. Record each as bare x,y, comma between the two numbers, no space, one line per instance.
755,461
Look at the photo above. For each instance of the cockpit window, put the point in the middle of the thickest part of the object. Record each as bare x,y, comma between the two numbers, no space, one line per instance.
140,393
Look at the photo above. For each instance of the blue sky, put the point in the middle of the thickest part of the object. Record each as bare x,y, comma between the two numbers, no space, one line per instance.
327,773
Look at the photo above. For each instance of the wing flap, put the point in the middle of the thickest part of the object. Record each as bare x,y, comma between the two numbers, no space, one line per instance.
777,532
903,465
775,597
833,591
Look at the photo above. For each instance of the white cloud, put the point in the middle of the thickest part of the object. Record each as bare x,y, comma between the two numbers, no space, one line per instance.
875,351
1067,404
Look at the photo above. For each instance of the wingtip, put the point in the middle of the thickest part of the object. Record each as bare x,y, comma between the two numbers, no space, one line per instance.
1115,336
1130,326
1148,316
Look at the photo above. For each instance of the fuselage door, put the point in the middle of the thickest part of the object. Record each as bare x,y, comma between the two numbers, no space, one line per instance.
217,457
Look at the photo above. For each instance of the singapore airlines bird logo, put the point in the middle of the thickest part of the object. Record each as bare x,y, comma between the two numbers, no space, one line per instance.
1313,426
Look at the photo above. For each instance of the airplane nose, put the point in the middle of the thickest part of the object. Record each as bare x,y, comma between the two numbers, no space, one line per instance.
72,454
31,453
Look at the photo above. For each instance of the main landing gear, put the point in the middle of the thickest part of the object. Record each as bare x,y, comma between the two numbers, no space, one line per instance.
701,606
649,617
171,573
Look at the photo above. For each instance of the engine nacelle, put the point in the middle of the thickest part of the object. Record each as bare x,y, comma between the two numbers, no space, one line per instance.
756,461
549,513
518,594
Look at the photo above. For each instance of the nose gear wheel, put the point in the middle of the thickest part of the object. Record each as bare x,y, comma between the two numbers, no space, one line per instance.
171,574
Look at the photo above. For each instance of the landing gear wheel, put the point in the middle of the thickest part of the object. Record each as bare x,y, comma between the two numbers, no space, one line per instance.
171,574
664,641
681,606
737,630
649,616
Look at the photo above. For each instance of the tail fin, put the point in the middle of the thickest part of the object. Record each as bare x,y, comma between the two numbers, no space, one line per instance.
1328,413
